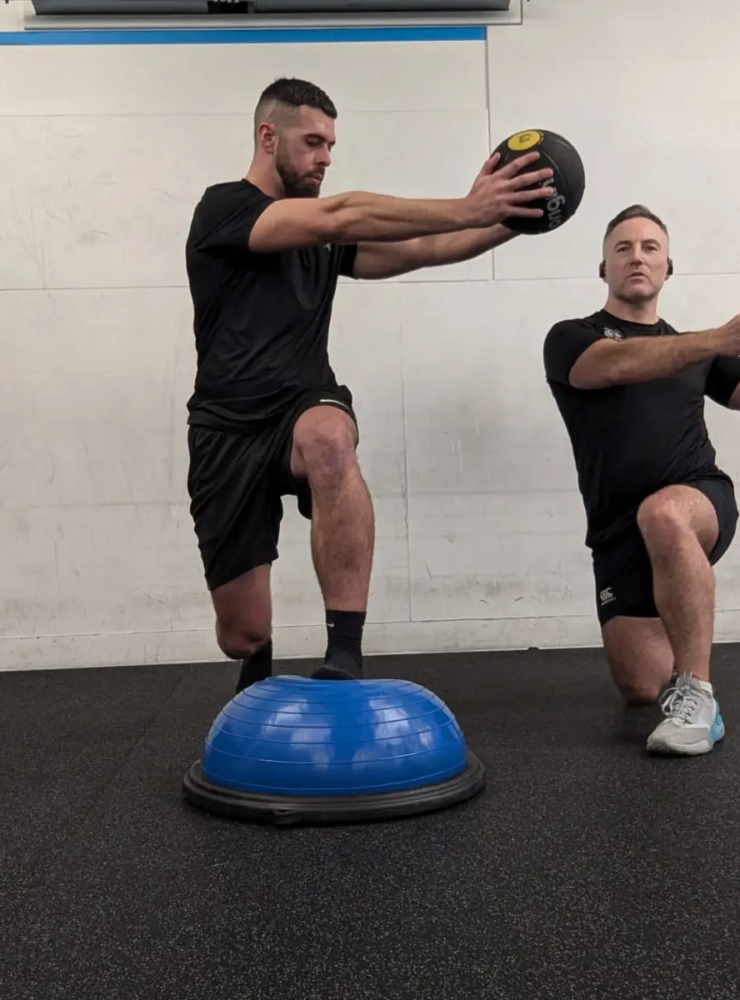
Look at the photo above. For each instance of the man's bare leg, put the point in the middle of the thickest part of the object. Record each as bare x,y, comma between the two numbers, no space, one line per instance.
640,658
342,530
679,527
244,623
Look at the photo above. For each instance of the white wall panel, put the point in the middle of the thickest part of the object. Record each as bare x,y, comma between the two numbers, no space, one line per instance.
652,116
228,79
495,523
498,556
479,524
106,202
97,395
366,352
97,532
116,568
480,418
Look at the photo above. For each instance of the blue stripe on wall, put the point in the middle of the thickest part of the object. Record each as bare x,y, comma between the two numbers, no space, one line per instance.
244,36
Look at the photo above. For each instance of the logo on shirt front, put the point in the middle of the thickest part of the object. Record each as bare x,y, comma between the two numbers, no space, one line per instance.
613,334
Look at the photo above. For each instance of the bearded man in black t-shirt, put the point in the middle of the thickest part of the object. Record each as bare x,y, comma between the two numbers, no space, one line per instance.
267,418
660,512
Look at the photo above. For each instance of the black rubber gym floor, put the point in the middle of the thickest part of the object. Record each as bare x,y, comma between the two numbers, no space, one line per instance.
585,870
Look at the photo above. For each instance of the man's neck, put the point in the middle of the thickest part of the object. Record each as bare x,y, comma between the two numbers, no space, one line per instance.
638,312
266,180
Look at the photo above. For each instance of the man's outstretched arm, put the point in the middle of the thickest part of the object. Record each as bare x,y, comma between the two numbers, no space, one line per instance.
375,261
577,354
386,260
409,226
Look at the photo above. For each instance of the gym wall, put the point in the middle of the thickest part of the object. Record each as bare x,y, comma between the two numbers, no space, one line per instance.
105,151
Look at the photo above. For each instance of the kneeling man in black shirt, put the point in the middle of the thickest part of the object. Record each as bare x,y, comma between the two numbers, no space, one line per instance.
660,513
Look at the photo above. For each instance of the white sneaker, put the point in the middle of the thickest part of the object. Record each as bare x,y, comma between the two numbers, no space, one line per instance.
693,723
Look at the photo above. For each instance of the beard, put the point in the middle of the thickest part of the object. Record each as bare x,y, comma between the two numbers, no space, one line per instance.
295,185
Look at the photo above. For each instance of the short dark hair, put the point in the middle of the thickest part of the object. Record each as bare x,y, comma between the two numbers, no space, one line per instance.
290,94
633,212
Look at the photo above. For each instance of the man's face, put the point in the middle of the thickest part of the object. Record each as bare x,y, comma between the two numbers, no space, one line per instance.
636,257
303,152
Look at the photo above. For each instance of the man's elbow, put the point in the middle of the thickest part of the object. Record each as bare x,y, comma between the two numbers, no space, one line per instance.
593,377
341,220
341,225
289,224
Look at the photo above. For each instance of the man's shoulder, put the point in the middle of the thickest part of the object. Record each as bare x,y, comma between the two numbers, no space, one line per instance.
594,321
667,329
225,194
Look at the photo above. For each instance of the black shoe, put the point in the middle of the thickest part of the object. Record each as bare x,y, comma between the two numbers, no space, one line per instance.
340,667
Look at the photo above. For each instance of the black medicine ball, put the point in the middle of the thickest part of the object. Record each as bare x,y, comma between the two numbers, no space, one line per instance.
569,178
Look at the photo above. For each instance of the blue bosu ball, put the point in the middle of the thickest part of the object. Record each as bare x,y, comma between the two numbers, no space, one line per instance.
291,750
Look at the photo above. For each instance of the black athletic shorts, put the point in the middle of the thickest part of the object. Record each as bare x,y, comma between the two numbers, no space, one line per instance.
622,570
236,482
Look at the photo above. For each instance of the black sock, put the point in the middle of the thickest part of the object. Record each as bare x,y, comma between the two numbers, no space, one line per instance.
257,667
344,634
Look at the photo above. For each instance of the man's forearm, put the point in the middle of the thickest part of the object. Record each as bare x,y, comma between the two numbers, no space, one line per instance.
360,216
641,359
387,260
453,248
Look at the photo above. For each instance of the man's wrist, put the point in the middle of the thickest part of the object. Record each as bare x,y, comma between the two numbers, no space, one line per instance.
714,339
506,233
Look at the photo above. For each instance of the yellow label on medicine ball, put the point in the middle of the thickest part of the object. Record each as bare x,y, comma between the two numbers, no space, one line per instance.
525,140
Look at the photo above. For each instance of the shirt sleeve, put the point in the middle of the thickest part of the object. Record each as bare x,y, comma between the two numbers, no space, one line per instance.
224,219
722,380
346,253
564,344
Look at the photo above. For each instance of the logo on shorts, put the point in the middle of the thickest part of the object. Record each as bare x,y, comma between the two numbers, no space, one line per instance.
606,596
613,334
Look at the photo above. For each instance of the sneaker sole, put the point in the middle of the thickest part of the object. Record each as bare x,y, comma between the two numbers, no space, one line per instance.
690,749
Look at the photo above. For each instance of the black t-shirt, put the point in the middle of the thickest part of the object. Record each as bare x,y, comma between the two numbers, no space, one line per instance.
261,321
630,440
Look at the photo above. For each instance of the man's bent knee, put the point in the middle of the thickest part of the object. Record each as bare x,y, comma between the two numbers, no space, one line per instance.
240,641
324,444
664,526
244,613
660,519
666,520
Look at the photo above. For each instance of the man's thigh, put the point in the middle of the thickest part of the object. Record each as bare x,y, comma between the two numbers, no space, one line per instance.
721,495
623,571
623,577
329,413
670,515
235,502
636,646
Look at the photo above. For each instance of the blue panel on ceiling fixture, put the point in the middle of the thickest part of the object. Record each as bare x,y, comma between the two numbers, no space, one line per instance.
244,36
261,7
